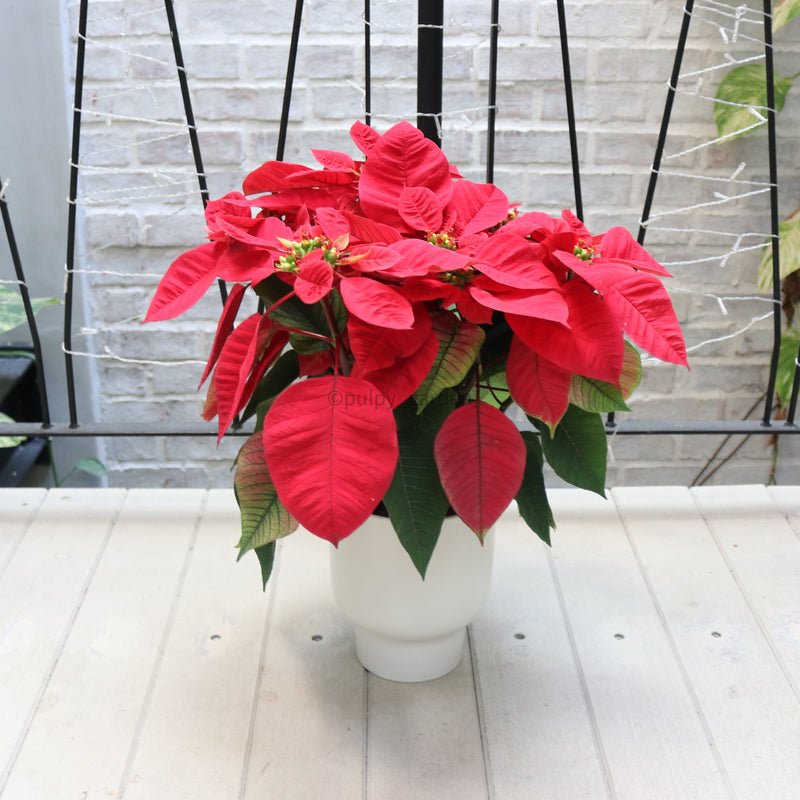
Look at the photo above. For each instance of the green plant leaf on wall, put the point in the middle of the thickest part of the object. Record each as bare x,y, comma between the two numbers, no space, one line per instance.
790,344
9,441
91,466
743,100
783,12
578,449
789,252
12,309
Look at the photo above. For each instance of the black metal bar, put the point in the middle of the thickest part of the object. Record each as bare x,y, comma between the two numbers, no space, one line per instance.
494,34
773,204
26,303
187,100
189,114
72,211
621,428
573,134
662,135
367,63
287,89
430,53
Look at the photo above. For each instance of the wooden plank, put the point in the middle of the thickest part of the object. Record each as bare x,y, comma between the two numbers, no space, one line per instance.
742,696
648,726
17,508
89,716
536,722
193,740
764,553
309,716
425,739
40,594
787,498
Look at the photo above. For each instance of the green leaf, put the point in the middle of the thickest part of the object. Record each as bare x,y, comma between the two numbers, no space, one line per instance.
91,466
285,370
602,397
266,558
783,12
459,345
578,449
294,313
532,501
788,251
12,309
9,441
790,345
264,517
415,500
594,395
743,96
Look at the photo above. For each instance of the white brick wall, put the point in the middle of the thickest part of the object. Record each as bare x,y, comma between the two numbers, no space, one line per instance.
235,54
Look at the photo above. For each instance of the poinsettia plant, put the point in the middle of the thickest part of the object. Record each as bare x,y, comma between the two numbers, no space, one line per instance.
402,310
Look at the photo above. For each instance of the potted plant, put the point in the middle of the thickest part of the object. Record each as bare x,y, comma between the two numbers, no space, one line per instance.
403,309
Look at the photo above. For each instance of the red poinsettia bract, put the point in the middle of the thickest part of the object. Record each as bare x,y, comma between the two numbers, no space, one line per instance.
397,284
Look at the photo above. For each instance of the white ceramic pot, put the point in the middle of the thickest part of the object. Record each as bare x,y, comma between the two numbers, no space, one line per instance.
407,629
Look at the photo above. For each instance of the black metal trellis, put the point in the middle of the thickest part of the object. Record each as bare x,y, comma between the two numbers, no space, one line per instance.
429,120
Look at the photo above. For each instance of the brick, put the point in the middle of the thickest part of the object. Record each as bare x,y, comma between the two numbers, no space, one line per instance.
327,61
527,62
103,228
336,101
534,147
626,20
212,61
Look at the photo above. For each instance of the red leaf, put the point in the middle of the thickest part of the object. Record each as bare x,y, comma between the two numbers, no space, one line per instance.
372,258
478,205
539,387
270,177
241,263
331,449
244,358
363,136
592,346
367,230
400,380
376,303
315,363
545,304
642,305
481,459
515,262
618,245
420,209
185,282
333,159
225,326
314,279
235,360
402,157
420,257
375,347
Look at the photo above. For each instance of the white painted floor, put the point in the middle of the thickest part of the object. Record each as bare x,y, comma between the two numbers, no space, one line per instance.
653,653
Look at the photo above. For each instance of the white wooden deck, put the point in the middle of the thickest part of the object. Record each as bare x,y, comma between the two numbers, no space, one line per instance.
653,653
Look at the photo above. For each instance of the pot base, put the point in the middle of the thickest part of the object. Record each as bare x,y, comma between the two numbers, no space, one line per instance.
409,660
